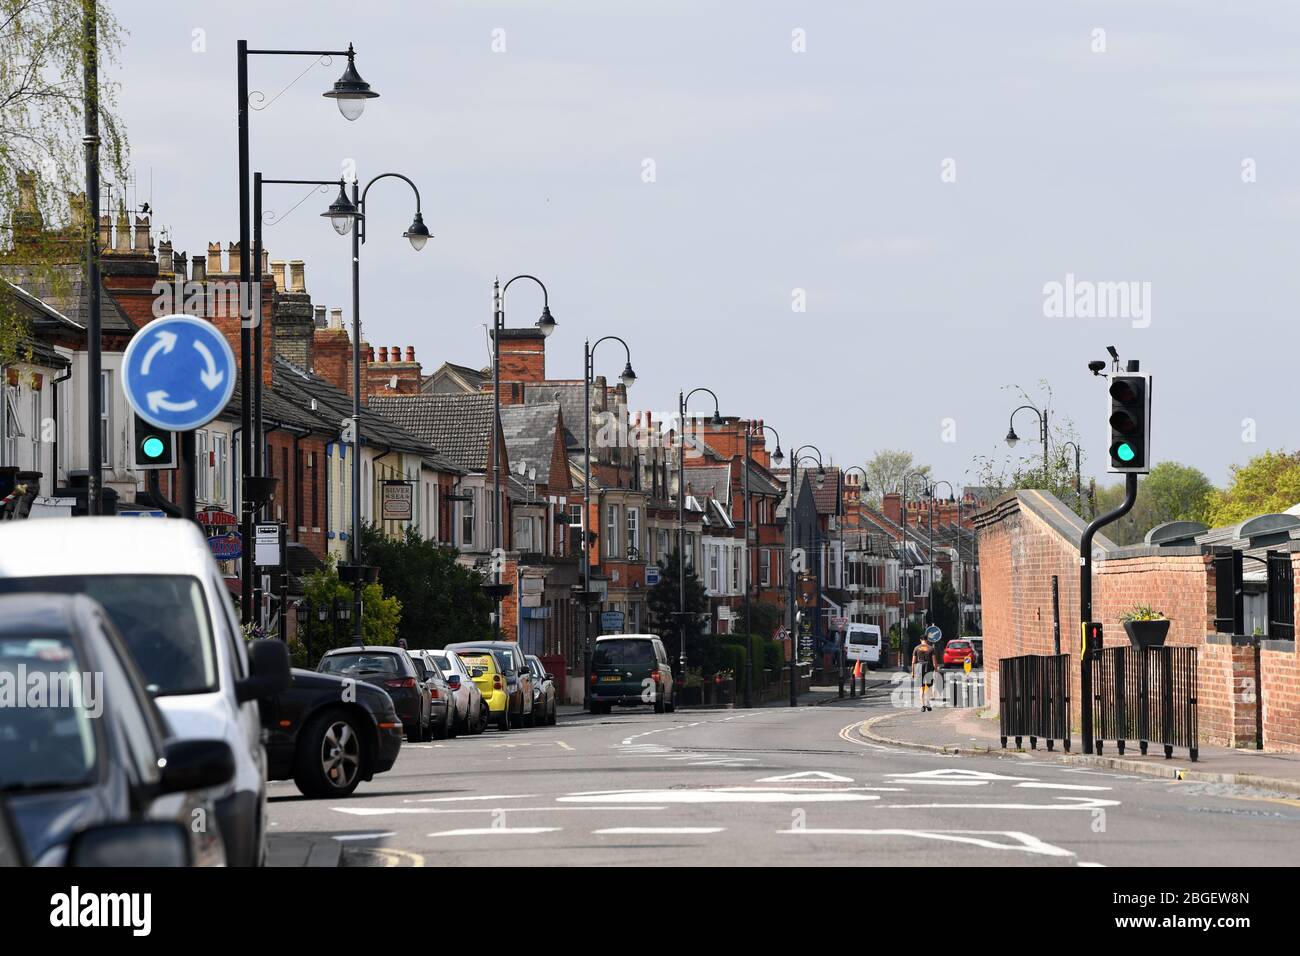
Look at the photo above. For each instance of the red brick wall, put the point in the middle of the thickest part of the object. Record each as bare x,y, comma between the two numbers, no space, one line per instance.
298,471
523,360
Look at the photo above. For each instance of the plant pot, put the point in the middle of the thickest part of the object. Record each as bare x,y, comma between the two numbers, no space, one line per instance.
1144,634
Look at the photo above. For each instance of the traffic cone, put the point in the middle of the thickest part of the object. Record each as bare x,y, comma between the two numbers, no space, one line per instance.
857,671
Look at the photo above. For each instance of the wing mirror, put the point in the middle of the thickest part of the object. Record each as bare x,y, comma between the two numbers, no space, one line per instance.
196,765
268,671
143,843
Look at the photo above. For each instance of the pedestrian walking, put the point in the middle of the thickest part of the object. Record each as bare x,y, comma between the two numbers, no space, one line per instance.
923,665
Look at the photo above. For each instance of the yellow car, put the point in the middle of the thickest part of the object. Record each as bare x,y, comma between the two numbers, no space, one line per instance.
491,683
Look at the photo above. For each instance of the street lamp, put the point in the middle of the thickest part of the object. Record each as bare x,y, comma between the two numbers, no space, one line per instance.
588,373
959,570
497,590
1078,472
683,398
863,489
796,458
350,92
1012,438
902,563
777,457
358,201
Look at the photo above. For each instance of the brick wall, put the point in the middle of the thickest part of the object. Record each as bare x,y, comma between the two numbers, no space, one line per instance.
1280,684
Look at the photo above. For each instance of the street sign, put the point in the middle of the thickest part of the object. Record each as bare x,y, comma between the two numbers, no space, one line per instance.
178,372
396,501
933,634
611,622
142,514
651,575
268,545
226,547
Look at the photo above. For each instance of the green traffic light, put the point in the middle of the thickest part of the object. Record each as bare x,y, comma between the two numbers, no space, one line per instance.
153,446
1124,451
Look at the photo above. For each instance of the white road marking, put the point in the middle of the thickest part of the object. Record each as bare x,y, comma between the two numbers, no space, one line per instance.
1025,842
952,773
659,830
1084,803
496,796
380,811
364,836
1060,786
1081,863
487,831
717,796
561,743
807,776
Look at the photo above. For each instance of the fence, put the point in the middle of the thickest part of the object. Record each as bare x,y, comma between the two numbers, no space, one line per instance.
1146,695
1034,698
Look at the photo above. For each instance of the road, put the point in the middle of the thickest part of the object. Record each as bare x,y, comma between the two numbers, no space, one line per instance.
772,786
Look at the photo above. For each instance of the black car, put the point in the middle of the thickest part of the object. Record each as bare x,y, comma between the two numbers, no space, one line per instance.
98,752
328,733
544,702
392,669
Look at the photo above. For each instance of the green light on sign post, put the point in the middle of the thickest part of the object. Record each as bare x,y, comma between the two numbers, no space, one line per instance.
154,447
1124,452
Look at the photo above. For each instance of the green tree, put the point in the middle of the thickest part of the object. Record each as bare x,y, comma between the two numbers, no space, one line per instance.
885,470
442,599
1171,492
1267,483
379,621
765,618
662,604
944,608
42,51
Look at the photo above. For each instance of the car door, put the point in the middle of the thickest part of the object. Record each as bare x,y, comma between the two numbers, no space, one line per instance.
425,679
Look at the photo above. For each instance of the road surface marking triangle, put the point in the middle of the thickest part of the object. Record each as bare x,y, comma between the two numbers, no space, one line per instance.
807,776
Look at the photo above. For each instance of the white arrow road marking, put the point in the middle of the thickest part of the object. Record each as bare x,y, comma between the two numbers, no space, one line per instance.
487,831
363,836
1059,786
1083,803
1025,842
951,775
807,776
716,796
666,831
210,376
164,341
158,400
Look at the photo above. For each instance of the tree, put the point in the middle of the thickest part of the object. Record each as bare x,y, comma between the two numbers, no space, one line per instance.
944,607
885,470
379,620
42,53
1171,492
1267,483
442,600
764,618
1025,469
663,602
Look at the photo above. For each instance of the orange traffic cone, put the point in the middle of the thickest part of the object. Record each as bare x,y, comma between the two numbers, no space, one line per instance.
857,671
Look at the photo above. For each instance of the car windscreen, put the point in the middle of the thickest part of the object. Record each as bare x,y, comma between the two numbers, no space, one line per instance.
864,639
47,739
623,654
483,662
382,664
441,662
958,645
163,619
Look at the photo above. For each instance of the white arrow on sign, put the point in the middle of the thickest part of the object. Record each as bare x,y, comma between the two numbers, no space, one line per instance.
807,775
164,341
158,401
211,376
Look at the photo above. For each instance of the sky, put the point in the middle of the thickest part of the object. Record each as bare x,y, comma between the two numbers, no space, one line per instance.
844,218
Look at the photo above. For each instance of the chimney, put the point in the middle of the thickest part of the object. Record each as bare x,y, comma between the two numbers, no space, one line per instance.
214,258
395,354
336,318
77,209
123,226
200,266
370,354
266,262
523,356
143,241
297,278
383,353
410,353
105,232
236,257
277,273
165,263
318,318
27,193
181,265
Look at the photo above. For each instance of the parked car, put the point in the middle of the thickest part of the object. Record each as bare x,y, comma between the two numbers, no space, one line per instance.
517,676
977,645
485,672
328,734
863,644
957,652
544,702
101,753
470,708
442,709
629,670
391,669
166,597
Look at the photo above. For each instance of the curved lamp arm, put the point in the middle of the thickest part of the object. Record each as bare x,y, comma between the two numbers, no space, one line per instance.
361,203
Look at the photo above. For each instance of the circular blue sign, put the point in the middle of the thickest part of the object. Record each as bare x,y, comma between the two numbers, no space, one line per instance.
178,372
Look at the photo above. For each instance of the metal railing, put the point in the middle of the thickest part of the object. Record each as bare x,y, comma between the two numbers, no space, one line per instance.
1034,699
1148,696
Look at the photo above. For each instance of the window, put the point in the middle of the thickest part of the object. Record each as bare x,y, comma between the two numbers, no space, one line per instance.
661,544
690,549
611,532
735,570
315,499
633,532
219,467
467,519
13,425
105,419
713,568
35,433
765,567
201,475
524,534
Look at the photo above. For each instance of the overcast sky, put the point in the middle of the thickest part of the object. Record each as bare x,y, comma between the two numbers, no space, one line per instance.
1162,150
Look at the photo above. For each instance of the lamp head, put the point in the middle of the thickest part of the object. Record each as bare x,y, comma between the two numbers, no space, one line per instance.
342,213
547,322
350,91
628,376
418,233
1012,438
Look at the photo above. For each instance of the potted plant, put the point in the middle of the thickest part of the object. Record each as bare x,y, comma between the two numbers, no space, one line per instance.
1145,626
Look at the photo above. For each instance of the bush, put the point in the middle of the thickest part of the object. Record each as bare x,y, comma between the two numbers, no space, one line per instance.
763,653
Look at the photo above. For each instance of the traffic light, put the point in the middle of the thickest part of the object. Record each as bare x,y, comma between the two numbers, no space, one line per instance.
1130,424
155,448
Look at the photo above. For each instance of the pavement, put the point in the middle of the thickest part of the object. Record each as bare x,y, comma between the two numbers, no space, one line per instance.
771,786
969,731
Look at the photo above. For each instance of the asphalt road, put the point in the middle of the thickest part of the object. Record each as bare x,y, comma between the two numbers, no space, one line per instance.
767,787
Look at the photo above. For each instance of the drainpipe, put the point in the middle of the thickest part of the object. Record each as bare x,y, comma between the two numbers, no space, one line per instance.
54,383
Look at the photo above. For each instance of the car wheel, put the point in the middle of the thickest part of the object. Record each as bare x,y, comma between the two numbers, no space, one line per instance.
438,731
481,724
530,719
329,757
659,705
453,725
554,715
503,721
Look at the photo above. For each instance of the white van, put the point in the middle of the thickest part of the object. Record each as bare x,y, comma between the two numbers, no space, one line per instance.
863,643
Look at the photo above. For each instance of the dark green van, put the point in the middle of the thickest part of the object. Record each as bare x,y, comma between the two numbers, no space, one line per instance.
630,670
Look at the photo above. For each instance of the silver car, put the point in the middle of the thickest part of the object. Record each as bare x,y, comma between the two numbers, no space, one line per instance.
471,715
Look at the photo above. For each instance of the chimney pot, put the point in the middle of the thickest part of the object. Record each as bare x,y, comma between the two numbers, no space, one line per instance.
201,267
105,232
123,226
318,317
395,354
370,354
336,319
143,241
214,258
297,276
165,264
383,353
277,273
266,262
410,353
236,258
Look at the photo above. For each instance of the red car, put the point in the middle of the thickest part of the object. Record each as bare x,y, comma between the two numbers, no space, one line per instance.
957,653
